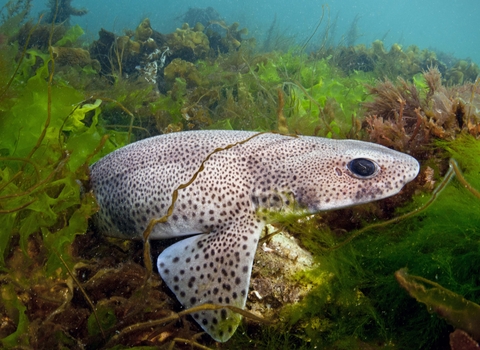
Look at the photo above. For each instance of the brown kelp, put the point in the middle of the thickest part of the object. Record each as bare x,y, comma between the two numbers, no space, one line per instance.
409,116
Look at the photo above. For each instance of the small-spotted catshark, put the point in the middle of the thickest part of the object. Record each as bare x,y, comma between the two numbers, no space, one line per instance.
225,208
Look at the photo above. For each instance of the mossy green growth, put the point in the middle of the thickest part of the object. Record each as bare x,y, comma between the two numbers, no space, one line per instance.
362,301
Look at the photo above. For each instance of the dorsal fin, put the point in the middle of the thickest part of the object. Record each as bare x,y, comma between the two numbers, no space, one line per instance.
213,268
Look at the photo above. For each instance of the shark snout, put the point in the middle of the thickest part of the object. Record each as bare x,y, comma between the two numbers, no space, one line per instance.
413,168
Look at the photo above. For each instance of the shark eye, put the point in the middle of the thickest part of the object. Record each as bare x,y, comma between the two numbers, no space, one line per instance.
362,168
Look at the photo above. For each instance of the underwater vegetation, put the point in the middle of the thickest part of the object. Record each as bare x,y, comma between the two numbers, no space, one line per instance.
421,110
13,14
65,103
457,311
204,16
60,11
397,62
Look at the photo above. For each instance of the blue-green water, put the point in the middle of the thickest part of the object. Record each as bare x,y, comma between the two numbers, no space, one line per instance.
447,25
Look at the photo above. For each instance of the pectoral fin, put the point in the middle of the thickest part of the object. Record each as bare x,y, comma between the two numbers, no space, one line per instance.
212,268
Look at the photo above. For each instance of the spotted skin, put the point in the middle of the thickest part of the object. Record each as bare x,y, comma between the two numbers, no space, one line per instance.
227,206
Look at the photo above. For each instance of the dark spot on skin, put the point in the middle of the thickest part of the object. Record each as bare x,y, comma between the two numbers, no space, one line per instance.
191,281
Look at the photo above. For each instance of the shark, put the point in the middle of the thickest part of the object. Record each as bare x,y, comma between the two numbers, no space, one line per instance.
235,181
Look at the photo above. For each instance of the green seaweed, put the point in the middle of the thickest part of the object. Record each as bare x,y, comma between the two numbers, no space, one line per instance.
71,36
455,309
40,164
46,147
326,100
